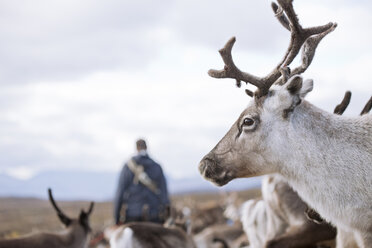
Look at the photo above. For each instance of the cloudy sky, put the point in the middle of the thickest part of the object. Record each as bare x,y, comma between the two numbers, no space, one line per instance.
81,80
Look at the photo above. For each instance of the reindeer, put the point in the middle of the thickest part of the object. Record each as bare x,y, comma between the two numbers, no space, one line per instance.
213,225
75,235
148,235
326,158
228,233
178,231
175,232
279,218
206,215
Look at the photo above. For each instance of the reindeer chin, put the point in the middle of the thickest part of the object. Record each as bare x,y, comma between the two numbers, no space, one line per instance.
221,181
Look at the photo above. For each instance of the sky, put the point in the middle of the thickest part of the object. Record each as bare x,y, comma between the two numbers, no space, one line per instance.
80,81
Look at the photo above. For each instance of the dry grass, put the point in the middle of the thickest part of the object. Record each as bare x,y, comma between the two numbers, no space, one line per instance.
20,216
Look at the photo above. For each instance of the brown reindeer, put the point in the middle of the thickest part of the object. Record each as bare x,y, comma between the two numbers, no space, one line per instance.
184,228
213,235
205,216
175,232
75,235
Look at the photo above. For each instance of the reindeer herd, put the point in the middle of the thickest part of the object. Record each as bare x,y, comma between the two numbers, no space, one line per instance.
317,165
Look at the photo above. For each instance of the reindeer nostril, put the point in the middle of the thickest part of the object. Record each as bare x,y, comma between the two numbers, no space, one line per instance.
211,170
201,167
204,164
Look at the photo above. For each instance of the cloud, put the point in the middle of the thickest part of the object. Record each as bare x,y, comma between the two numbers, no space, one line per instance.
211,23
67,39
101,74
92,124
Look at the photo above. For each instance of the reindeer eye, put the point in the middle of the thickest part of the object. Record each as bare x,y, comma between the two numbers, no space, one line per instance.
248,122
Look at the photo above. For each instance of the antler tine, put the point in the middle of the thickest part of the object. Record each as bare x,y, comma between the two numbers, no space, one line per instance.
249,93
230,70
64,218
279,14
286,73
308,50
367,107
90,208
53,202
340,108
298,34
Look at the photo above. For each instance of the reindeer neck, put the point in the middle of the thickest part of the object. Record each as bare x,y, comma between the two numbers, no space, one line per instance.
319,149
310,121
317,139
73,236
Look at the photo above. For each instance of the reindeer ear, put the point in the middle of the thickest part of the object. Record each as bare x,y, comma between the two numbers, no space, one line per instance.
297,90
307,86
296,86
84,220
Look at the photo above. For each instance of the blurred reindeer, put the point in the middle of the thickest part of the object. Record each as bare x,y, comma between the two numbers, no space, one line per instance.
148,235
227,230
75,235
196,225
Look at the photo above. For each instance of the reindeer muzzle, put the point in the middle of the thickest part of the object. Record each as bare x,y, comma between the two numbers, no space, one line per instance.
211,170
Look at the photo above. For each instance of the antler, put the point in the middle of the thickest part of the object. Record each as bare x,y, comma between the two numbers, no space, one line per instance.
367,107
309,38
340,108
90,208
64,219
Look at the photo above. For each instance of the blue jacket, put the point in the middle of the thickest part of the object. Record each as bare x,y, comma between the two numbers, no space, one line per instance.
136,195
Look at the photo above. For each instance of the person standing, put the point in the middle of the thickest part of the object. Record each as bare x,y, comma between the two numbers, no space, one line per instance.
142,193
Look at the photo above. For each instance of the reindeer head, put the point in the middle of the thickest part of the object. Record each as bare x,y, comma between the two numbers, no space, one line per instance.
246,149
82,221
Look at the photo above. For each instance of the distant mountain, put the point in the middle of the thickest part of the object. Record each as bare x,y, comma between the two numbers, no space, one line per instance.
101,186
198,184
69,185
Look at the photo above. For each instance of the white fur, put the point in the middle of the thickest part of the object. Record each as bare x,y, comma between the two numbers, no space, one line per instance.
122,237
280,217
131,236
326,158
259,223
330,167
306,88
335,179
